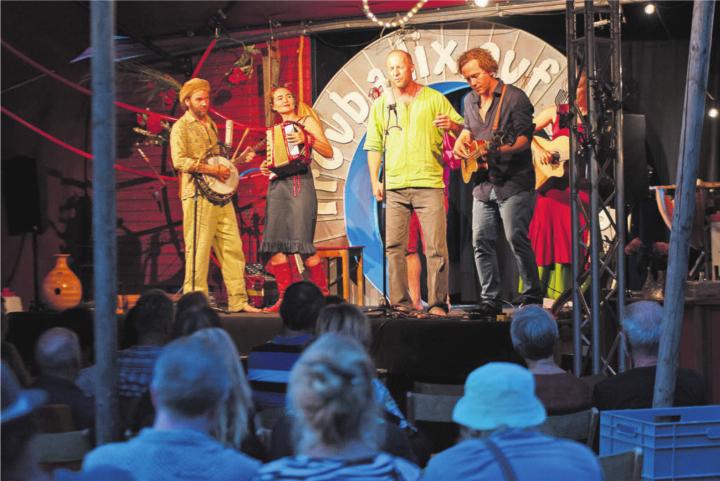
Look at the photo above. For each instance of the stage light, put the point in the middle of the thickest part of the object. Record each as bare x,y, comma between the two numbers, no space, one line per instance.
713,112
481,3
649,8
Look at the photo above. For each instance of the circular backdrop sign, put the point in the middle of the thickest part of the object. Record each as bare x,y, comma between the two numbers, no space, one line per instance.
347,211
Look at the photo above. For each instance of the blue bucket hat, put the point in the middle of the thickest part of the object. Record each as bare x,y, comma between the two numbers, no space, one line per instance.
499,394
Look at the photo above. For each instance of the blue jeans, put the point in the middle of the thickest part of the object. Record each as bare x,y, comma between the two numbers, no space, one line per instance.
513,214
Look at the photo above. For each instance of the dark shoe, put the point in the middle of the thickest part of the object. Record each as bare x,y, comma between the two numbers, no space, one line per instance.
486,309
529,300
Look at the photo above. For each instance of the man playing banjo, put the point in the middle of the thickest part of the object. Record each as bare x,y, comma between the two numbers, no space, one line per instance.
206,222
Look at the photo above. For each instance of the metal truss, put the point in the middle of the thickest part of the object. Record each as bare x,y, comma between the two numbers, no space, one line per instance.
596,167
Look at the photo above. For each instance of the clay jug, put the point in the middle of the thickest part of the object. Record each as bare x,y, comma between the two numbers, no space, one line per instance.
61,288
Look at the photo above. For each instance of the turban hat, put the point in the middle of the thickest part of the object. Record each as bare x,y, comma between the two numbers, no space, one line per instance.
192,86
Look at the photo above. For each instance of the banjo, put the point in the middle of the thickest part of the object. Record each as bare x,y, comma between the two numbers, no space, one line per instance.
220,192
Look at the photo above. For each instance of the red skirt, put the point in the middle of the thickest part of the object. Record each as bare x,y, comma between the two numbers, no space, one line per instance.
550,228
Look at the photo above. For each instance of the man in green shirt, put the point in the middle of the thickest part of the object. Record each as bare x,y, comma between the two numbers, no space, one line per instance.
414,175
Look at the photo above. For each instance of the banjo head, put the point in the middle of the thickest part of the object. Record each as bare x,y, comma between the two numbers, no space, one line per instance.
220,187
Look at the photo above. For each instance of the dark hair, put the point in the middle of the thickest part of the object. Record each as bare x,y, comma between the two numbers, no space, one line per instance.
484,59
332,299
345,319
533,332
153,313
189,378
300,306
191,300
194,319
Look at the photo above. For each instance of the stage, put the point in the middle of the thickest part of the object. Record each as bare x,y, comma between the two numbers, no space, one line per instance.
433,349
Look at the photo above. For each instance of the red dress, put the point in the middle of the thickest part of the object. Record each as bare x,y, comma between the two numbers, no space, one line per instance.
550,228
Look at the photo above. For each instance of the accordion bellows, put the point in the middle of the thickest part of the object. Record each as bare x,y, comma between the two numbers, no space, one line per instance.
285,158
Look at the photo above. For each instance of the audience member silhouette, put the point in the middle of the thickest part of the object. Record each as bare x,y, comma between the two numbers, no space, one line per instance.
534,335
187,389
336,415
498,415
633,389
57,356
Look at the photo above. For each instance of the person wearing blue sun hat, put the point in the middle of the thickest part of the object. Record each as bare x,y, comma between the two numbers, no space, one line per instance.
499,415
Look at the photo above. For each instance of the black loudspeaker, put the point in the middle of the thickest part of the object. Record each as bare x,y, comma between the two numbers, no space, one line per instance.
636,170
21,195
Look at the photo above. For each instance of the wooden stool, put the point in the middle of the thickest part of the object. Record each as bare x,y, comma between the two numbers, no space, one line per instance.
343,253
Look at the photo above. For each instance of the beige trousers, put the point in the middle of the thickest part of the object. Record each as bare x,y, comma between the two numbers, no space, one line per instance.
217,229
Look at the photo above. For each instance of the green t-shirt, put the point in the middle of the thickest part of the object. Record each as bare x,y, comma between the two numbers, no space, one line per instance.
414,154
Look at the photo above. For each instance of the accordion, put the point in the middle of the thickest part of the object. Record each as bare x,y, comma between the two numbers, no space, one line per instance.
286,158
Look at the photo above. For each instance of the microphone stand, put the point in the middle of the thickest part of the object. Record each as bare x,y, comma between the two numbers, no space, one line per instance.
392,109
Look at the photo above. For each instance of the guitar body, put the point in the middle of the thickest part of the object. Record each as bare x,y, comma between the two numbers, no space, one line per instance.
560,148
471,165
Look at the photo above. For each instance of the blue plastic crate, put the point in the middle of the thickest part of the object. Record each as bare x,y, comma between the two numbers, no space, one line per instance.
677,443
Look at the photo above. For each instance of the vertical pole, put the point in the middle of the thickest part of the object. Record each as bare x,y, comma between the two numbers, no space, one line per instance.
571,34
621,222
686,176
594,185
102,19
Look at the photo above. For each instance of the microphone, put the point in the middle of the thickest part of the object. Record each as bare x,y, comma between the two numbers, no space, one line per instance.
228,133
391,106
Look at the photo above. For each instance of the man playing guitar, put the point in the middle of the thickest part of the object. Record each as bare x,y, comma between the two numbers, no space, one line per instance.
193,138
504,194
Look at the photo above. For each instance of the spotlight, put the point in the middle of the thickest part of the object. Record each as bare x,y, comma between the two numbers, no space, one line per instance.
713,112
481,3
649,8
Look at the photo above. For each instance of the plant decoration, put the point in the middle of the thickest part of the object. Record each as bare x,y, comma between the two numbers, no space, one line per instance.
243,68
152,125
157,83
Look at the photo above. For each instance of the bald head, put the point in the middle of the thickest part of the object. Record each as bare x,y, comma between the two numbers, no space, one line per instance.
57,353
400,70
400,54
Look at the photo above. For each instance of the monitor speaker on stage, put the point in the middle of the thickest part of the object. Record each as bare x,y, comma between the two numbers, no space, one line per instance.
21,195
636,171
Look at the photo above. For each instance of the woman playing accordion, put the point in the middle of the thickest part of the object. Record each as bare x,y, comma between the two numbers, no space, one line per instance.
291,211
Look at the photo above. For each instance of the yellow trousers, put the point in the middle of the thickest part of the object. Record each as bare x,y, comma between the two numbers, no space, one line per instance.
217,228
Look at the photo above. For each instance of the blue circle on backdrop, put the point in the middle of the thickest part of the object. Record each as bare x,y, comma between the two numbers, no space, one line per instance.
362,223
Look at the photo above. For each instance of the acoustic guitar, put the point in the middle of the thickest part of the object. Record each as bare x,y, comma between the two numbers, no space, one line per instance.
472,163
560,150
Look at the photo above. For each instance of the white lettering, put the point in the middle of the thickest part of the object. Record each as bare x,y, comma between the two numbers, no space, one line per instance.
540,73
327,208
508,76
376,77
330,164
344,135
323,185
358,114
493,49
421,62
445,57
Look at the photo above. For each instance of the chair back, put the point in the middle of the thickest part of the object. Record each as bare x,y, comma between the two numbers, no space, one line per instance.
62,450
435,408
55,418
625,466
432,388
580,426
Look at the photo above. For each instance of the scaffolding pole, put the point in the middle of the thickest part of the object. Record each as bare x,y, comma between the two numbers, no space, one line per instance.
621,223
686,177
102,26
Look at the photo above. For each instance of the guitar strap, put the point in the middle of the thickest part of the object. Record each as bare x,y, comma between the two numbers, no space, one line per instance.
496,122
